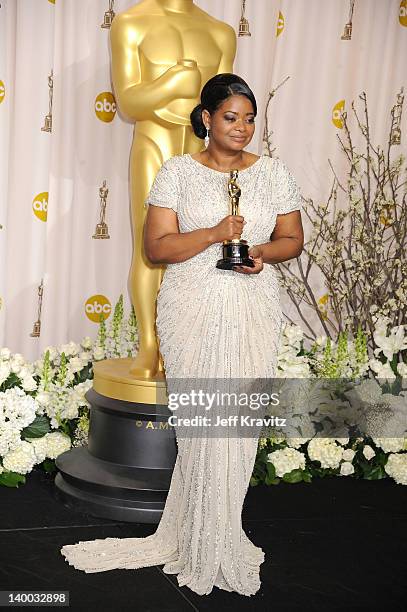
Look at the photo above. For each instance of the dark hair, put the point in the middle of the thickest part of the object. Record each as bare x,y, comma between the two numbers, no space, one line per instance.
218,89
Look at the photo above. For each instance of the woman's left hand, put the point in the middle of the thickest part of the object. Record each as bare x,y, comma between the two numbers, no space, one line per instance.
255,254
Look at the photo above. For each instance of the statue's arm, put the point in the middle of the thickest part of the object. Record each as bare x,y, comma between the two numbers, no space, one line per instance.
226,39
138,99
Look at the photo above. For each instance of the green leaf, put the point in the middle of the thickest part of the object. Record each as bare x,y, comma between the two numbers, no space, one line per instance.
271,470
37,429
306,477
253,481
293,476
11,479
49,466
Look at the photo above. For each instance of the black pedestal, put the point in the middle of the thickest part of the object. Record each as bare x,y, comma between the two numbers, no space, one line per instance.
125,472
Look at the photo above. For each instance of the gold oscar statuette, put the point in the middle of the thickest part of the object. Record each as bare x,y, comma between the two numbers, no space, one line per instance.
47,127
37,325
102,230
109,16
235,251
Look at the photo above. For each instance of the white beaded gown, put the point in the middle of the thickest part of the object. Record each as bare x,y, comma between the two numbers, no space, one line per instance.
211,323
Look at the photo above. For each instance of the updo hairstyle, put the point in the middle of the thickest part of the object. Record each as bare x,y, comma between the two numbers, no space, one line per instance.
218,89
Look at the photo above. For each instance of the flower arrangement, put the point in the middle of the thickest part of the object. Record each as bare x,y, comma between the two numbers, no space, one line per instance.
43,409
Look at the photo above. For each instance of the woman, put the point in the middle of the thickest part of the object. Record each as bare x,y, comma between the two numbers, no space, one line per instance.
212,323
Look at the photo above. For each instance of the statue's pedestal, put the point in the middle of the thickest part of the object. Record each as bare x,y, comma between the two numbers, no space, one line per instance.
125,472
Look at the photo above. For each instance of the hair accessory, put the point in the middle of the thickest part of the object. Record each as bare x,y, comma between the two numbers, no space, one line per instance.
207,138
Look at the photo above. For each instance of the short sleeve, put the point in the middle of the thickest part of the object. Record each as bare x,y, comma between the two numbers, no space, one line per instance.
285,193
165,188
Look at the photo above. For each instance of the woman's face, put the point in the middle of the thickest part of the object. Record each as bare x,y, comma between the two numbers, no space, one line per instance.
232,124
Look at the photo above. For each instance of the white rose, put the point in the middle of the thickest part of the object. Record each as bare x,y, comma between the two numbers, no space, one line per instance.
5,371
347,468
87,343
348,454
16,363
98,353
5,354
368,452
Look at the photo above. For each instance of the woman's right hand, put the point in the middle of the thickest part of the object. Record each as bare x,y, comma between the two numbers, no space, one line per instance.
230,227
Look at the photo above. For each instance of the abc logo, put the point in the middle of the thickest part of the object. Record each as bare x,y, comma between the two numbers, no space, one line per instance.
280,23
2,91
97,306
403,13
52,1
40,206
105,106
336,114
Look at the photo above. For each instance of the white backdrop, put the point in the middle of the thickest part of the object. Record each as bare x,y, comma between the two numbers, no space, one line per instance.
66,168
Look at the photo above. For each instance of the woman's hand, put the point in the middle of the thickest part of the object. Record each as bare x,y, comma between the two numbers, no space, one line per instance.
230,227
255,254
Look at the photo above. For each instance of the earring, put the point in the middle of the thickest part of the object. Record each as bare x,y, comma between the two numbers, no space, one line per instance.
207,138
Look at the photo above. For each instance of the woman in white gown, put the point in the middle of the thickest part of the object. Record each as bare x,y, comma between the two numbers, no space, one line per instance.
212,323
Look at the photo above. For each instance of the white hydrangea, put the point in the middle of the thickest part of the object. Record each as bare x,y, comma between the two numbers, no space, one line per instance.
5,354
346,468
286,459
21,460
326,451
17,407
368,452
40,446
9,437
390,445
87,343
396,467
57,443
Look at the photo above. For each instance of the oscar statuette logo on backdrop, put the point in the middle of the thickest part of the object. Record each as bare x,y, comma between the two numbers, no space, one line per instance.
109,16
102,230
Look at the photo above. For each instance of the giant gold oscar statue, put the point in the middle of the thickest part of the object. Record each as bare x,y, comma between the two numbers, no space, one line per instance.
163,52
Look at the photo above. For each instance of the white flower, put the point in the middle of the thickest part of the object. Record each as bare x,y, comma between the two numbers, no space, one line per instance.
87,343
16,362
53,353
347,468
71,350
17,407
389,345
342,441
98,353
40,446
296,442
348,454
390,445
286,459
9,437
5,371
396,467
21,460
294,335
29,383
326,451
57,443
402,369
368,452
76,365
5,354
383,370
